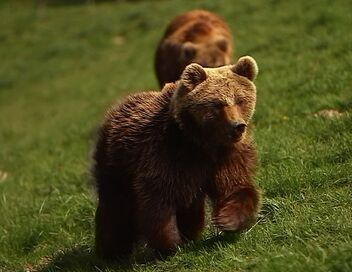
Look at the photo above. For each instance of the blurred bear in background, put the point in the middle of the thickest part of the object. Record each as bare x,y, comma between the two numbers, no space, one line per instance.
197,36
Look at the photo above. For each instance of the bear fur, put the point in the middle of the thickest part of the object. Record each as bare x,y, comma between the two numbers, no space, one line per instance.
160,154
197,36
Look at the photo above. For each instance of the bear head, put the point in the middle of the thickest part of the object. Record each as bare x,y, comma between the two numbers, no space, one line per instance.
208,48
214,106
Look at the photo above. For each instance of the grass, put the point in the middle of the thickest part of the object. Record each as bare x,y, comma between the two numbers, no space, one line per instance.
61,66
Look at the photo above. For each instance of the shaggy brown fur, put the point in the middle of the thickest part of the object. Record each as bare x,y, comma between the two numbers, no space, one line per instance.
197,36
159,154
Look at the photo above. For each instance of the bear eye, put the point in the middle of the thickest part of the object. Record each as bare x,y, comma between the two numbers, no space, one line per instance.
189,51
240,101
217,105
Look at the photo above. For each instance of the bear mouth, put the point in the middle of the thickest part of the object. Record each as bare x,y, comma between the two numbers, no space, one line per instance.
235,138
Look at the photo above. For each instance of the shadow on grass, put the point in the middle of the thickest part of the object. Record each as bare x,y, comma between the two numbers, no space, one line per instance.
80,258
83,257
210,244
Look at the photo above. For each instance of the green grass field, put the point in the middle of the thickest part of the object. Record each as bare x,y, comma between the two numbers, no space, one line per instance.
61,66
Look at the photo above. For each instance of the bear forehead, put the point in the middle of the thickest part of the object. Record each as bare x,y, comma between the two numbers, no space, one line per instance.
224,76
226,93
221,85
219,72
224,80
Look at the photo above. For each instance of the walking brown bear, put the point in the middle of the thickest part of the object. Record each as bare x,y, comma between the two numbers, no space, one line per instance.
159,154
197,36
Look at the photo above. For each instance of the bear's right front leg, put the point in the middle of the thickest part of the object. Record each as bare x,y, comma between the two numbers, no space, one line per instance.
237,211
159,226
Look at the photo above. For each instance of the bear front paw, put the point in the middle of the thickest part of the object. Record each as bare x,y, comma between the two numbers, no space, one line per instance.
232,216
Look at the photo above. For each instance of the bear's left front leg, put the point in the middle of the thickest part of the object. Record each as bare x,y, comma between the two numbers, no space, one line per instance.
238,210
191,220
159,226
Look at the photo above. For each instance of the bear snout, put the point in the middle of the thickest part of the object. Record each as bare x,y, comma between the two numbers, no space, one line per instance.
236,129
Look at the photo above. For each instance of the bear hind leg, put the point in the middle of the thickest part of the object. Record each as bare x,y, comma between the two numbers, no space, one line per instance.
115,232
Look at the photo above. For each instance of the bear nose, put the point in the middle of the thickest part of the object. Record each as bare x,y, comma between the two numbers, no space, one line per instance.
237,127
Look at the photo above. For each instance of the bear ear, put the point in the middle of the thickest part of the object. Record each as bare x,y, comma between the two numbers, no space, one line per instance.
193,75
188,51
222,44
247,67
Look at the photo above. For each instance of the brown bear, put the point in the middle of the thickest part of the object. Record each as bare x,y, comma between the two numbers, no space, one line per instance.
159,154
197,36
